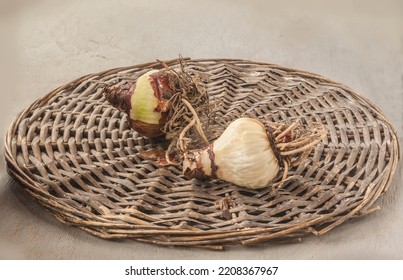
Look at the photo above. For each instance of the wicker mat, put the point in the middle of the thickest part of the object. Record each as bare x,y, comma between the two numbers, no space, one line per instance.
77,156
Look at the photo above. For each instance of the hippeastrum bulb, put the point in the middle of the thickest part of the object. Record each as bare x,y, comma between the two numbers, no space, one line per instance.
146,101
242,155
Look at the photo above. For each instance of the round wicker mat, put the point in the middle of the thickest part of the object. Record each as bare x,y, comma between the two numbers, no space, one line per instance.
77,156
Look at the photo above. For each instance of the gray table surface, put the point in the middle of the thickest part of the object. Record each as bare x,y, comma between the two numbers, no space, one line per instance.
47,43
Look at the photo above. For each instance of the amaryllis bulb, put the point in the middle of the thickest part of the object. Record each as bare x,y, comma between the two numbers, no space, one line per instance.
146,101
143,101
242,155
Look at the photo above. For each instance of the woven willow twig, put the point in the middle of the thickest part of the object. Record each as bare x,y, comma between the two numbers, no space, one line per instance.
77,156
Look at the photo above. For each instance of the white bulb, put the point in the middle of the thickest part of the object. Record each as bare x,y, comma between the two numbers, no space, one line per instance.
241,155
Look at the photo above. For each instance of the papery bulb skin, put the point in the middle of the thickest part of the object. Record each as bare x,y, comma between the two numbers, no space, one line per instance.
242,155
119,95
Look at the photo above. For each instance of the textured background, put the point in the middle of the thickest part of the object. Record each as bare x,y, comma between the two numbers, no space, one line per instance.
47,43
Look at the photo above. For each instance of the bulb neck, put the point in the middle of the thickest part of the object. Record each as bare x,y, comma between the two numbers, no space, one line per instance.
119,95
200,164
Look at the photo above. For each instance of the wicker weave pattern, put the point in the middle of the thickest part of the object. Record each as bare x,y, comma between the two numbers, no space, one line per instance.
77,156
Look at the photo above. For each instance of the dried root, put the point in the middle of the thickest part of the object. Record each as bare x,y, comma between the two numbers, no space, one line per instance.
293,144
190,114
